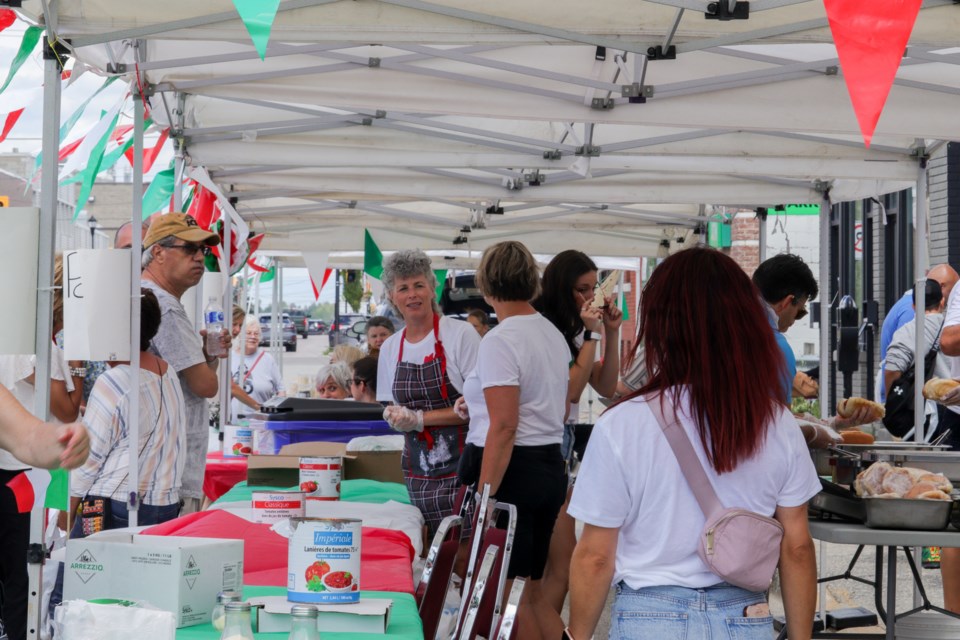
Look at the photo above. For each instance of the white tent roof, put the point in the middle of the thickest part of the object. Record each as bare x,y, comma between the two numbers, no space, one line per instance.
463,107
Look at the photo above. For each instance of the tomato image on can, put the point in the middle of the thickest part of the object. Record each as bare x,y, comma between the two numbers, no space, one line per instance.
320,477
324,560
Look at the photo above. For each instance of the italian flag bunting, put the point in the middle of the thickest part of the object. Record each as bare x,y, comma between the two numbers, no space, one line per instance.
258,17
30,39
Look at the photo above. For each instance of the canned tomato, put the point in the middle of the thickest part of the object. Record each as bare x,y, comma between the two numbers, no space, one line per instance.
273,506
324,561
320,477
237,441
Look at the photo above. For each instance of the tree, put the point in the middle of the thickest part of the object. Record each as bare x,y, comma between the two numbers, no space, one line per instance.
353,289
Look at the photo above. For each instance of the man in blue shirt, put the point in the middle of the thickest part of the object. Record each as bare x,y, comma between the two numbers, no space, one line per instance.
786,284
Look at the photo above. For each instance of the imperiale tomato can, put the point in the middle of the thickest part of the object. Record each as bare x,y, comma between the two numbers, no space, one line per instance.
273,506
320,477
324,561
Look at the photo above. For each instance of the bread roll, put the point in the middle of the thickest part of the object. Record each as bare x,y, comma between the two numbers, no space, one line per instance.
848,406
607,288
936,388
855,436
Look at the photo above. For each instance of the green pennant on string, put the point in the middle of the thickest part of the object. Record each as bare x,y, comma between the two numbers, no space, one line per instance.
624,307
268,275
258,17
372,257
57,490
109,160
30,39
158,193
93,168
188,201
441,279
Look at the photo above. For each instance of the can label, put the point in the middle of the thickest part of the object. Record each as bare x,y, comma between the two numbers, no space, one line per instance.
273,506
237,441
324,560
320,477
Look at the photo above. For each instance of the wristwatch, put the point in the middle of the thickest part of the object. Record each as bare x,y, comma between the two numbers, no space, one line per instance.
590,335
78,372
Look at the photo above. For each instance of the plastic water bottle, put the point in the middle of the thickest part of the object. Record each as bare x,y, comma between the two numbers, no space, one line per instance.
213,323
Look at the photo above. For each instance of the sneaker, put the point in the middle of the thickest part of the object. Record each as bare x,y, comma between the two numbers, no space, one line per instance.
931,558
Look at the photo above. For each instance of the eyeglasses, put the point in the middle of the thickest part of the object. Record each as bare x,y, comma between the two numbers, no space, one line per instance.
802,313
192,249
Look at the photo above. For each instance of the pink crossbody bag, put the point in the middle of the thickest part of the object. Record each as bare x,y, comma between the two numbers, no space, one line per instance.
738,545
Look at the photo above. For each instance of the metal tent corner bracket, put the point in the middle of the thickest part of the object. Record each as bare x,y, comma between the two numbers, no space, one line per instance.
723,10
554,154
589,151
56,51
636,90
658,52
602,104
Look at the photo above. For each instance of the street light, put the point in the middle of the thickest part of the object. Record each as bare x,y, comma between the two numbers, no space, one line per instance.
92,223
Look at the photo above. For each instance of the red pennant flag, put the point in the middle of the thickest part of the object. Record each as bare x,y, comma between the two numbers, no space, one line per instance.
871,38
11,120
149,155
67,150
203,208
256,267
7,18
22,492
316,291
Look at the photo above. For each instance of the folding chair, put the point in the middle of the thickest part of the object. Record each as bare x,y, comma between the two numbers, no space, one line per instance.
482,590
507,629
431,592
479,523
499,531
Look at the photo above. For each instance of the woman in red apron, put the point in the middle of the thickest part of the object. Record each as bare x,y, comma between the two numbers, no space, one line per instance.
421,372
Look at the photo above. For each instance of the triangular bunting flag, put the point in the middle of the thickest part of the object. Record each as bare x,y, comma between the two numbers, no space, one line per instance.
9,122
316,262
268,275
258,17
93,168
871,38
150,155
441,279
372,257
158,193
7,18
30,39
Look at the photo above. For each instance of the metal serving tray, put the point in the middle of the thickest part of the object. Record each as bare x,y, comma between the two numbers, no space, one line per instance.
903,513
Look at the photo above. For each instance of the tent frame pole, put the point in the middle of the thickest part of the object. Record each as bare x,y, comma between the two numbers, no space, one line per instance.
920,267
136,217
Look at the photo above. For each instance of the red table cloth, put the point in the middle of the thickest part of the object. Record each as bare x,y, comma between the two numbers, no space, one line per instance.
386,556
222,474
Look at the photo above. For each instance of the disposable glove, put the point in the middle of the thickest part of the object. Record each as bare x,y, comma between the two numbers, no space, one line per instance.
403,419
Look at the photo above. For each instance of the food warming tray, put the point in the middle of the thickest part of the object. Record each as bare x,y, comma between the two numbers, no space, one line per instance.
836,501
904,513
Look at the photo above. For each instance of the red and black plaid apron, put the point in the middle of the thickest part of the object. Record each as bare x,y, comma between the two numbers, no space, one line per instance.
430,457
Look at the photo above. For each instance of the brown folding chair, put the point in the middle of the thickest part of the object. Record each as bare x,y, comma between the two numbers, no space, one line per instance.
431,592
480,516
484,589
507,629
499,531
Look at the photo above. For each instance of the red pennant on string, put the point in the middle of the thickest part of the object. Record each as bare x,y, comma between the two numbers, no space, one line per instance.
871,38
256,267
67,150
22,490
11,120
7,18
204,208
149,155
316,291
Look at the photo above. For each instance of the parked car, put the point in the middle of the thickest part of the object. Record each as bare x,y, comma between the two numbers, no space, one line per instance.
300,321
340,333
317,326
289,331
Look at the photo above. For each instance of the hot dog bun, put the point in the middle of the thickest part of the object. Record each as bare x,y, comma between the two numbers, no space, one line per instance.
848,406
936,388
855,436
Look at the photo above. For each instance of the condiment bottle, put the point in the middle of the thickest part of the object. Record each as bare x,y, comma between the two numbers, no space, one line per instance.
218,617
237,625
303,622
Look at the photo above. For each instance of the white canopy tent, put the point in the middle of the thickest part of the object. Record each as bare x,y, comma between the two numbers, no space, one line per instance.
562,124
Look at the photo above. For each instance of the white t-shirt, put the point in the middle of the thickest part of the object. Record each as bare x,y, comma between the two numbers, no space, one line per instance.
631,479
529,352
460,341
14,371
952,318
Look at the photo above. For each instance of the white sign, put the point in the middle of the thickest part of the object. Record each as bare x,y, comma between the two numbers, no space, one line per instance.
19,246
96,304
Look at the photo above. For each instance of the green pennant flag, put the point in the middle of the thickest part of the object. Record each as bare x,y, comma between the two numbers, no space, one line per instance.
158,193
258,17
268,275
93,168
30,39
109,160
57,490
624,307
372,257
441,279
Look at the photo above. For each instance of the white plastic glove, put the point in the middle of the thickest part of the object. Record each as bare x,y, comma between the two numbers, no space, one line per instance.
460,408
403,419
951,398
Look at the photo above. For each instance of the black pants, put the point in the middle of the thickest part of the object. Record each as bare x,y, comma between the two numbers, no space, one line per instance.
14,540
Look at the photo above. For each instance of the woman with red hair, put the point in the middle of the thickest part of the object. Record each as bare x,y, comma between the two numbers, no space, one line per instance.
712,357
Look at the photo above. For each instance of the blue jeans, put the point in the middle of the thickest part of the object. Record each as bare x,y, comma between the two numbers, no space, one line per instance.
678,613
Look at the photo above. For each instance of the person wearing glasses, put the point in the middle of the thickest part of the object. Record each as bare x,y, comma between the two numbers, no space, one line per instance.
173,255
363,386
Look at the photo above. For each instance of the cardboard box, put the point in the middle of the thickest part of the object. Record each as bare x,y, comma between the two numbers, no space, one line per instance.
283,469
179,575
370,615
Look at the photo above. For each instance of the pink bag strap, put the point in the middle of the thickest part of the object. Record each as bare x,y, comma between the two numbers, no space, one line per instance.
690,465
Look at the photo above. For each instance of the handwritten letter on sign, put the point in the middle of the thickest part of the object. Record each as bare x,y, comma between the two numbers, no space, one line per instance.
96,304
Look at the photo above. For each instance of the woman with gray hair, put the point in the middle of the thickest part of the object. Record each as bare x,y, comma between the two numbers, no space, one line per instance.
333,381
421,372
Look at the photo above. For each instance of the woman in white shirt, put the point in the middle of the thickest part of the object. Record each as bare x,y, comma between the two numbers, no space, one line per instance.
260,379
517,397
641,521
